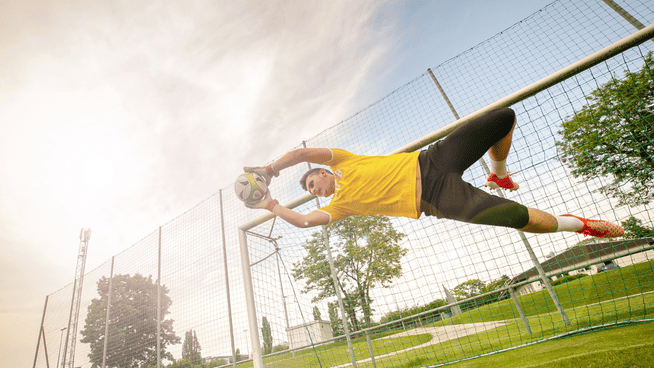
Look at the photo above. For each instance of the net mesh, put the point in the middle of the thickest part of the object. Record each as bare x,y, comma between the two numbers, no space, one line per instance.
414,320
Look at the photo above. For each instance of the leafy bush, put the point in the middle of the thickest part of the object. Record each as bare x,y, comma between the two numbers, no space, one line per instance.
407,312
280,347
563,280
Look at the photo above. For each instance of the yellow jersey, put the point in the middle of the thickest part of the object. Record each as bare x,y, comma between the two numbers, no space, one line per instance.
373,185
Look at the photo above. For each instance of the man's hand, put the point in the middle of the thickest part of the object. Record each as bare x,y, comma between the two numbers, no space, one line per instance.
265,203
267,172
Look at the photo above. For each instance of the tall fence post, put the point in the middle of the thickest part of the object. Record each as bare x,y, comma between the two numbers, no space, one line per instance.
106,320
530,250
41,333
159,303
337,288
625,14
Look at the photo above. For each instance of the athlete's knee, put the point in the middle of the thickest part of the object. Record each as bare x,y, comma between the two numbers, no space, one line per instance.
507,117
503,119
508,214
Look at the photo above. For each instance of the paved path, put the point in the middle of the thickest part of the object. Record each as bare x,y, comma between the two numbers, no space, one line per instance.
439,334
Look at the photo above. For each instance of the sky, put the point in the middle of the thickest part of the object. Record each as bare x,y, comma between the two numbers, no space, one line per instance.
118,116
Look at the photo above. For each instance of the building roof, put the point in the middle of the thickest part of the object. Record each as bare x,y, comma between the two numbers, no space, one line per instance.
587,254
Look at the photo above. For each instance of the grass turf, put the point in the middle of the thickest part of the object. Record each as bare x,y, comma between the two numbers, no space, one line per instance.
607,298
629,346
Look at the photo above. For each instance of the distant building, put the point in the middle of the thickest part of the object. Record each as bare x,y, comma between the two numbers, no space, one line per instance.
587,258
308,333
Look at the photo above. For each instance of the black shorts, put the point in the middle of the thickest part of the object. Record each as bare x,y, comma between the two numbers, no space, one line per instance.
446,195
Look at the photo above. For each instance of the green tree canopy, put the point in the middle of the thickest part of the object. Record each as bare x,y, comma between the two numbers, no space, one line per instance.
367,254
132,335
191,348
613,136
475,287
316,314
469,289
335,321
634,229
266,333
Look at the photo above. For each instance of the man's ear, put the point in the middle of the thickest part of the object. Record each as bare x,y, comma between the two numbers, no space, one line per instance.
323,172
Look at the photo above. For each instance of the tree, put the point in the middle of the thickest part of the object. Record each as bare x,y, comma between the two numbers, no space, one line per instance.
613,136
367,255
474,287
191,348
633,229
266,333
316,314
183,363
132,324
335,322
279,347
469,289
217,362
496,284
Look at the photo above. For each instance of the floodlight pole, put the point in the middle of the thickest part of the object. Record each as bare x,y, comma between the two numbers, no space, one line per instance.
73,317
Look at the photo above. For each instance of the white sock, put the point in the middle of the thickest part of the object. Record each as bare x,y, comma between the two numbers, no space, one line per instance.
498,168
568,223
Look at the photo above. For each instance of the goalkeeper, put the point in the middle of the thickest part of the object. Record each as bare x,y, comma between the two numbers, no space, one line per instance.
427,181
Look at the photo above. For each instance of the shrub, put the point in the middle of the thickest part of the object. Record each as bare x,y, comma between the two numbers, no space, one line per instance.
280,347
563,280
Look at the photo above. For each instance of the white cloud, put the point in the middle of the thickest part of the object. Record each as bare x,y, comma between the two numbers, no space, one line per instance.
119,115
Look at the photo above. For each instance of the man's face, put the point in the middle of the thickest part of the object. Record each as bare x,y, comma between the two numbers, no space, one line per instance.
321,184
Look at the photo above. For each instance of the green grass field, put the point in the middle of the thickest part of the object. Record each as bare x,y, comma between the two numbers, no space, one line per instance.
630,346
603,300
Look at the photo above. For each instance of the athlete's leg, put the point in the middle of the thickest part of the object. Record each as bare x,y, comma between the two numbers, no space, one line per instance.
492,133
540,222
467,144
500,150
543,222
497,154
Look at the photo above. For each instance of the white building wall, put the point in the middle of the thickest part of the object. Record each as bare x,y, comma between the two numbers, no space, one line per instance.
308,333
635,258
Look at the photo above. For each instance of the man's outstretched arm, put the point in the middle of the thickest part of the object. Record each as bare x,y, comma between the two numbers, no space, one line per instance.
313,155
313,218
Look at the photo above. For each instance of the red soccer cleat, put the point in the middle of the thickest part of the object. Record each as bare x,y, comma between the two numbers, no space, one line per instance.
494,182
599,228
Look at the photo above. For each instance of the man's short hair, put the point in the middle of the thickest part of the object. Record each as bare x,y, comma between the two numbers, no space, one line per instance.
315,170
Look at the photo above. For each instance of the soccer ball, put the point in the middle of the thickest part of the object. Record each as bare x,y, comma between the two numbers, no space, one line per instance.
250,187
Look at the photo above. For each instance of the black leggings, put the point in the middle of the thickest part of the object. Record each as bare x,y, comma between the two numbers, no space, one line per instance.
446,195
